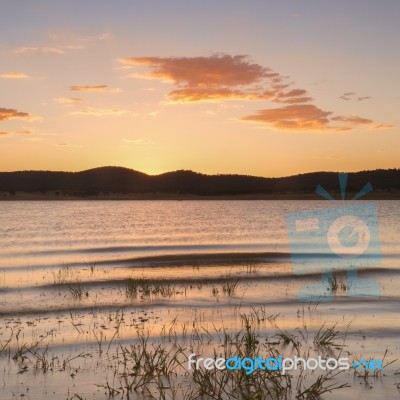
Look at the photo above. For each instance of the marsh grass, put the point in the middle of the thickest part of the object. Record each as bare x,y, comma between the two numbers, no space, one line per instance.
5,346
158,369
145,363
252,268
91,265
101,337
154,363
323,384
327,337
36,354
257,316
335,285
147,287
23,348
76,396
60,277
215,293
229,285
287,338
367,373
77,291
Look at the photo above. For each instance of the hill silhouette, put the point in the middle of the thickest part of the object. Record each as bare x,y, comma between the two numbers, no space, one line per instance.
109,180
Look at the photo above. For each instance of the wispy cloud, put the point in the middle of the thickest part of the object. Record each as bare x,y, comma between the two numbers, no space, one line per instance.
293,96
14,75
11,113
334,157
95,38
39,51
68,145
12,133
60,37
353,120
383,126
68,100
49,51
133,140
353,96
347,96
95,88
72,47
99,112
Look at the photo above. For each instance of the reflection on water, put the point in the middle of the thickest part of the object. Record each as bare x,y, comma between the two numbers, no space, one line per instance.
49,233
39,237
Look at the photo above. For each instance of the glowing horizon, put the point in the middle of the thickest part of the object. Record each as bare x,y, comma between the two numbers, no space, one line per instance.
268,90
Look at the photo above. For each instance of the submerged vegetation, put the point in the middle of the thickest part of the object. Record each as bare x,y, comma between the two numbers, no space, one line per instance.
147,287
139,345
158,368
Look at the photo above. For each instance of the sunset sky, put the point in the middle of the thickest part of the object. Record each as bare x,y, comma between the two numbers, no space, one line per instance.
264,88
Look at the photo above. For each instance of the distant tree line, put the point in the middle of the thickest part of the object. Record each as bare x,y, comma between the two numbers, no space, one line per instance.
127,181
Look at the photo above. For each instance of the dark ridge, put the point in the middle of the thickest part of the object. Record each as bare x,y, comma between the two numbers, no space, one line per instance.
111,180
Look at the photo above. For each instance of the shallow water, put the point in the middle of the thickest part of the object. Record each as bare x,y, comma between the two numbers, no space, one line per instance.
64,268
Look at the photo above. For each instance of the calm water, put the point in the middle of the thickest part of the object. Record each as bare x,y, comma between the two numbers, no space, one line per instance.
45,234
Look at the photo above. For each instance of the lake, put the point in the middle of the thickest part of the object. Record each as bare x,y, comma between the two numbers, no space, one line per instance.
79,275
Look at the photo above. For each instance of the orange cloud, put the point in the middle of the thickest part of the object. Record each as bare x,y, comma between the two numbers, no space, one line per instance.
218,77
95,88
293,96
354,120
294,100
297,117
10,113
14,75
225,77
188,94
307,117
216,70
294,93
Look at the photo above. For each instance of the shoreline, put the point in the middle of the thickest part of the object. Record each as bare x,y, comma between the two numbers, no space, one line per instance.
21,196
